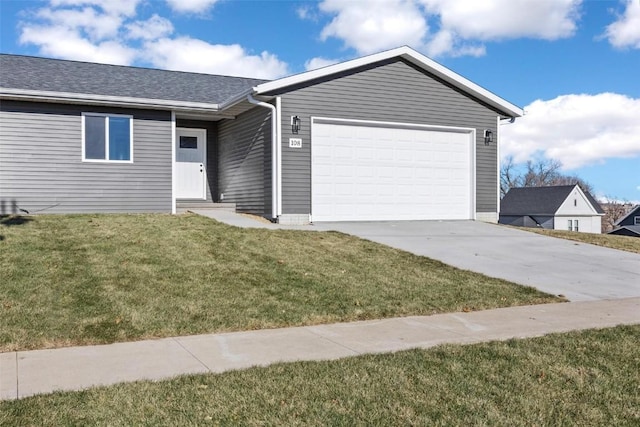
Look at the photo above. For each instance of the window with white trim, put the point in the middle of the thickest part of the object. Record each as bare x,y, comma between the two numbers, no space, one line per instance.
575,225
107,137
570,225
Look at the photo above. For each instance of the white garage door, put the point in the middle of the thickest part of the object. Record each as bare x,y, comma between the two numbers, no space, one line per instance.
362,171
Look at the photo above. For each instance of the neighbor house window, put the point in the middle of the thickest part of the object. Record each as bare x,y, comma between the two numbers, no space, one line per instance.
107,137
575,225
570,225
636,220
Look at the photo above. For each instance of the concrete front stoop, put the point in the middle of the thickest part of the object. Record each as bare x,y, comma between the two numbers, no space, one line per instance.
187,206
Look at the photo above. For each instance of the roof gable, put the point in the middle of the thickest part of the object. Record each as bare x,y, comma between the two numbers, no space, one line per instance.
632,213
408,55
579,203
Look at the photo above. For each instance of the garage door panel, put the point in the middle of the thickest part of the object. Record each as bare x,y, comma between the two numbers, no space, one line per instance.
362,172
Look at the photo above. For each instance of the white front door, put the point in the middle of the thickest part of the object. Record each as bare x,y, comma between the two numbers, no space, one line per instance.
191,172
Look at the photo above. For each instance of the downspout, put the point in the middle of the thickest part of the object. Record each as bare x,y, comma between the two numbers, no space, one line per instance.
274,153
173,162
278,165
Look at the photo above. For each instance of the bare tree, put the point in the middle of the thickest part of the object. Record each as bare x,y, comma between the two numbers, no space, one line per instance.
509,177
571,180
614,209
541,173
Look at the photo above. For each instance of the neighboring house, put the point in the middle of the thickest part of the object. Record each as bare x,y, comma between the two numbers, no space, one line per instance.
562,207
389,136
628,225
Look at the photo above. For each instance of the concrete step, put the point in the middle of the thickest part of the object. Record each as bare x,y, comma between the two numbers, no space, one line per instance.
182,207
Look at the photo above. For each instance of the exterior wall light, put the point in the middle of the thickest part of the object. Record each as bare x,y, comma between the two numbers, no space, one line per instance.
488,136
295,124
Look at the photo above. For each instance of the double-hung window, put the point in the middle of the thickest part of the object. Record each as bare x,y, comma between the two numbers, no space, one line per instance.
107,137
570,225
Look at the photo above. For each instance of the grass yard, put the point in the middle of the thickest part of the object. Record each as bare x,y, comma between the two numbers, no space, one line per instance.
88,279
623,243
589,378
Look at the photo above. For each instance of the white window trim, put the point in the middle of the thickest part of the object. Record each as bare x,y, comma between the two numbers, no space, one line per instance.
106,141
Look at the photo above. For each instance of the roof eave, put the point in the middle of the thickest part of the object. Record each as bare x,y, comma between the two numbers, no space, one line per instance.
106,100
409,55
236,99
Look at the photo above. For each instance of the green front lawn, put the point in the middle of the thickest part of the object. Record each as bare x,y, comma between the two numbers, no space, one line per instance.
589,378
87,279
623,243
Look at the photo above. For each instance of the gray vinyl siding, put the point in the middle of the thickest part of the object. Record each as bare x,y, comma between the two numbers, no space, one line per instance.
393,91
41,167
244,161
212,154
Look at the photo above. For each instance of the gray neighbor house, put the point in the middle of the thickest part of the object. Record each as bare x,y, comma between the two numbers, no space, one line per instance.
629,225
389,136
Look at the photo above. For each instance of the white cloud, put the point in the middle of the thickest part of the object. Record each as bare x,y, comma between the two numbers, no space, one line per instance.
374,25
576,130
501,19
445,42
191,6
458,27
318,62
153,28
306,12
111,7
61,42
94,24
188,54
81,30
108,32
625,32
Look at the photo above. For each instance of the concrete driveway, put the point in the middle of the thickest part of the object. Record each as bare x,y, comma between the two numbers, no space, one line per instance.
580,272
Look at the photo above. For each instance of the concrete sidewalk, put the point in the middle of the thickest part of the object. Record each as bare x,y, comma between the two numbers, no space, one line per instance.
26,373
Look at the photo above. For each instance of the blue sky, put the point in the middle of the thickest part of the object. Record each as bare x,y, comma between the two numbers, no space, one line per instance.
573,65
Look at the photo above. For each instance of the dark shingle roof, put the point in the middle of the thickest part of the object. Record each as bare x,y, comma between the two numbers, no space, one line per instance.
32,73
627,230
594,202
539,200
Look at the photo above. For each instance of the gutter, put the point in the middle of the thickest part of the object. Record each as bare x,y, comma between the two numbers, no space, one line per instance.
107,100
275,154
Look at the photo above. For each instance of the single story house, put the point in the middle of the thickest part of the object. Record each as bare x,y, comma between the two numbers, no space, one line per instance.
389,136
561,207
629,225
